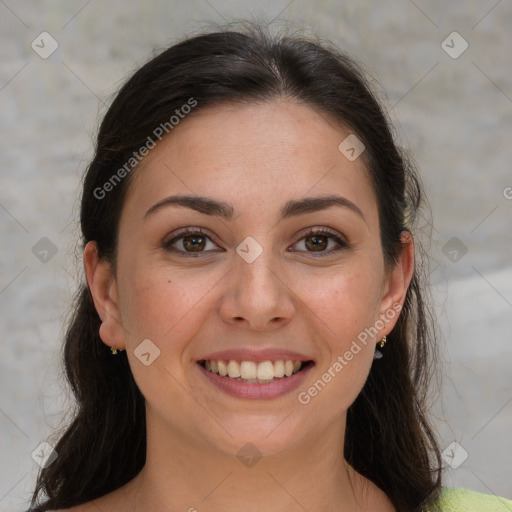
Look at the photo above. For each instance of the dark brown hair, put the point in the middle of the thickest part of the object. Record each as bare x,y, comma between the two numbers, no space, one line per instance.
388,437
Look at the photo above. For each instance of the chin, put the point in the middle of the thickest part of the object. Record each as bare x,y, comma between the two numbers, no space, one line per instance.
264,436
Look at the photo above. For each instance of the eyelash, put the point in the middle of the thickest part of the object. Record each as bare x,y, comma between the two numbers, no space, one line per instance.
330,233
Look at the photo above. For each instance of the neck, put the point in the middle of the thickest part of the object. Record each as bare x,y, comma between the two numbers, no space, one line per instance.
182,472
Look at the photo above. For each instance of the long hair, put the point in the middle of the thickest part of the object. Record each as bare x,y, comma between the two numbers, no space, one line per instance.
388,436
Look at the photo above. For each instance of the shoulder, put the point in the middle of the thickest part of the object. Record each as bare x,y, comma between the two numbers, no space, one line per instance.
110,502
90,506
85,507
454,499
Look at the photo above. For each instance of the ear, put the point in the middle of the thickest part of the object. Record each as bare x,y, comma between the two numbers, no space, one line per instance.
396,285
103,288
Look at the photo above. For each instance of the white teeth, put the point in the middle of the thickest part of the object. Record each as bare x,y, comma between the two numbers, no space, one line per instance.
223,368
265,370
279,369
233,369
251,371
248,370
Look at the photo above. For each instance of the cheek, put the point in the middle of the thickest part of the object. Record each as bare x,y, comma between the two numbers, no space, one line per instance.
164,305
346,303
345,308
169,310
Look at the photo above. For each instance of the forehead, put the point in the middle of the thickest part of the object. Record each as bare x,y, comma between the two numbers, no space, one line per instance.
255,154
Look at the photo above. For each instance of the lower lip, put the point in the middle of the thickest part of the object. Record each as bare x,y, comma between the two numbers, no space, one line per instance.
255,391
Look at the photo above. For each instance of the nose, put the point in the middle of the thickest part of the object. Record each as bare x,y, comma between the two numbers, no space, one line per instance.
256,295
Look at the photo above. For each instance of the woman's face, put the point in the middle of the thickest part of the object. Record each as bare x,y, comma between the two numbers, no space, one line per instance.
254,283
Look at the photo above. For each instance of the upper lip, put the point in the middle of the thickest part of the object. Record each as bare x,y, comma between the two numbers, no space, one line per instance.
269,354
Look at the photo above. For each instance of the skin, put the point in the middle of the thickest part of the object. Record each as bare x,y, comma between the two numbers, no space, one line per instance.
255,157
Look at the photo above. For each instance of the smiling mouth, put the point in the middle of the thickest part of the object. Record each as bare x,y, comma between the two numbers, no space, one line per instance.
253,372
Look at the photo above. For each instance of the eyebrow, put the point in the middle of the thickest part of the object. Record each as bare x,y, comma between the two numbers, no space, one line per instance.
226,211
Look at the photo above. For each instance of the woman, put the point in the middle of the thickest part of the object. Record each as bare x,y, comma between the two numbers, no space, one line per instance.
253,333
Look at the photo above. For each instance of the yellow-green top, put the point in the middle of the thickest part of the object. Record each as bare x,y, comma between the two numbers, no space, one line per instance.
454,499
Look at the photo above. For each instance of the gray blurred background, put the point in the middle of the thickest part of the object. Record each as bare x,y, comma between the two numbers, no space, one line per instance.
452,107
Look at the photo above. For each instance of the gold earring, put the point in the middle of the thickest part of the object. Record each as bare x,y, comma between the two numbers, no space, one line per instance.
382,342
113,350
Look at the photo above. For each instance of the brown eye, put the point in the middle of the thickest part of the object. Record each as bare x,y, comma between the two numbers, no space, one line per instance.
317,241
190,242
194,242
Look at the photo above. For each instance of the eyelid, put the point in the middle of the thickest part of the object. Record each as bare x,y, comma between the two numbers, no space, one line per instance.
191,230
323,230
